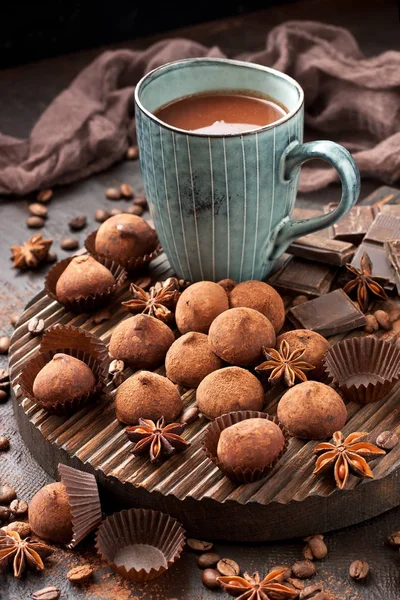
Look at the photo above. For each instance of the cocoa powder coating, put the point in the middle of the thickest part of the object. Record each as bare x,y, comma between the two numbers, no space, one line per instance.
147,395
312,411
239,334
50,513
125,236
190,359
262,297
227,390
84,276
199,305
314,344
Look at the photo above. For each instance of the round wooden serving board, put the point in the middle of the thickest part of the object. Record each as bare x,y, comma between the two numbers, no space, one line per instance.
290,502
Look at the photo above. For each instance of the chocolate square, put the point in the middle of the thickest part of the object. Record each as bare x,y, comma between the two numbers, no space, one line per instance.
300,276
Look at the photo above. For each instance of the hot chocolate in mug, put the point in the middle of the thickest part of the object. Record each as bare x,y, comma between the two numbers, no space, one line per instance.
222,203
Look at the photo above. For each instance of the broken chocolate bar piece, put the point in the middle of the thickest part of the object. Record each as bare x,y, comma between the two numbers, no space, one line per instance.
353,226
392,248
300,276
384,195
328,315
381,267
319,247
384,226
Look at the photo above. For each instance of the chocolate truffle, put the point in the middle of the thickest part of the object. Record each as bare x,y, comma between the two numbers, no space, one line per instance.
314,344
125,236
84,276
250,444
198,306
312,411
147,395
63,379
262,297
190,359
228,390
239,334
50,515
141,341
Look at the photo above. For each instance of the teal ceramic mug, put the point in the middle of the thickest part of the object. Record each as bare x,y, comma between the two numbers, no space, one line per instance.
221,204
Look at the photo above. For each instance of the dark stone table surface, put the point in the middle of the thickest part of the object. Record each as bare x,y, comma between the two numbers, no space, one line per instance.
25,92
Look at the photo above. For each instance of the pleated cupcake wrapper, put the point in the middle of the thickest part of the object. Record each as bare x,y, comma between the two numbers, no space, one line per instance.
212,435
77,343
374,363
91,302
140,526
130,264
84,500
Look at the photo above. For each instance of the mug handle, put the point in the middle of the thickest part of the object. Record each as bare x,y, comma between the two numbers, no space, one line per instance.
349,175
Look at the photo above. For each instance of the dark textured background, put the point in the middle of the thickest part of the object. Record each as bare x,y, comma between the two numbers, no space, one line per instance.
25,91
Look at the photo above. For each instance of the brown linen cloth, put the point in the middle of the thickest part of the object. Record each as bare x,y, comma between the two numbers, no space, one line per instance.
349,98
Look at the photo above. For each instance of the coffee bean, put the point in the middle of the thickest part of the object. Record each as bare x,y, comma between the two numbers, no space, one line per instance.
81,574
303,569
209,578
394,539
23,529
310,592
358,570
3,396
44,195
383,319
113,194
317,547
78,223
48,593
35,222
7,494
126,190
14,319
132,153
140,201
295,583
101,215
115,211
371,324
69,243
4,444
307,553
135,210
189,415
4,344
228,567
5,513
36,326
51,257
38,210
199,545
19,507
286,573
387,440
207,560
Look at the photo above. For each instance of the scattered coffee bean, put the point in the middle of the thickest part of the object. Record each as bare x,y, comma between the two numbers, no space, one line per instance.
36,326
199,545
126,190
307,553
371,324
102,315
3,396
228,567
209,577
4,444
38,210
19,507
295,583
358,570
69,243
22,528
189,415
387,440
140,201
81,574
35,222
78,223
316,546
207,560
113,194
383,319
115,211
14,319
132,153
286,574
101,215
48,593
5,513
310,592
135,210
303,569
4,344
51,257
7,494
394,539
299,300
44,195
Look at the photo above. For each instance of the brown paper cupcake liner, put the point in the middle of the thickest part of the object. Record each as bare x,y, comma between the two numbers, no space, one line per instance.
364,369
211,438
89,303
77,343
130,264
84,500
140,544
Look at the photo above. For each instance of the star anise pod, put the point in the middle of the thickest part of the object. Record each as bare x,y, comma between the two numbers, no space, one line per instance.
365,284
250,587
157,302
31,253
285,364
22,553
156,439
345,455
